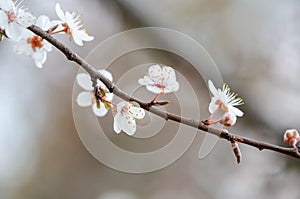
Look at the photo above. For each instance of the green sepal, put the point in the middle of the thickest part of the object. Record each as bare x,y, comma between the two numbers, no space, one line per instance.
107,105
103,93
98,103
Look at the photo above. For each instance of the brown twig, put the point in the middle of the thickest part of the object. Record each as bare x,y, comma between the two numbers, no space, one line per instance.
221,133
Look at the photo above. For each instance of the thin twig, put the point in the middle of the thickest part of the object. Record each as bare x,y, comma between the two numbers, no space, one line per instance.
221,133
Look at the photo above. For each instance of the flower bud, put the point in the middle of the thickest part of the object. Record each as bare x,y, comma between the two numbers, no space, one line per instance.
291,137
228,119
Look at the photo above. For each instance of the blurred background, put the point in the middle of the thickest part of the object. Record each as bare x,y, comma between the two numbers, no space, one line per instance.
256,46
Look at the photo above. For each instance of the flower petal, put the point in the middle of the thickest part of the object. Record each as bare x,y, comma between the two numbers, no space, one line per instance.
168,74
172,88
223,97
154,89
145,81
212,88
26,34
40,57
236,111
84,81
121,105
84,36
3,19
6,5
59,12
123,120
127,124
100,112
43,22
84,99
76,38
212,105
81,35
13,31
70,21
154,71
25,19
22,47
117,120
47,46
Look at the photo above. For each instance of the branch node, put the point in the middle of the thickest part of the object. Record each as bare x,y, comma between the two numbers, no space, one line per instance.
260,148
112,87
70,56
226,135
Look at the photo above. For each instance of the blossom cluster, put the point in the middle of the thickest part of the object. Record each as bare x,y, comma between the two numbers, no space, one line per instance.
14,21
159,80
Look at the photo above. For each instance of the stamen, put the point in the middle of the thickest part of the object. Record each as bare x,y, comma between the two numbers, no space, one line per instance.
232,97
36,42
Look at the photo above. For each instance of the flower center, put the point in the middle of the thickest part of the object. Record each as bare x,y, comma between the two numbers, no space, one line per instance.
160,86
67,28
36,42
11,15
221,105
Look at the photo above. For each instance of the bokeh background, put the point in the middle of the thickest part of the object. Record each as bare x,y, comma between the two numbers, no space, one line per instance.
256,46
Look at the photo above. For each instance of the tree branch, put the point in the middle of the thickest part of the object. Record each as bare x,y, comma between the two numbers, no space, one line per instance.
221,133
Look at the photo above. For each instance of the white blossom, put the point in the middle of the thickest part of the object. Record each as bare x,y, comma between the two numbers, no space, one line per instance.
87,98
14,18
33,45
224,99
160,80
71,25
125,118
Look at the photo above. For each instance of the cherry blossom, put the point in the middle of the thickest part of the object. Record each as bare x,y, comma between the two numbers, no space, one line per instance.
125,118
224,100
70,23
87,98
160,80
14,18
33,45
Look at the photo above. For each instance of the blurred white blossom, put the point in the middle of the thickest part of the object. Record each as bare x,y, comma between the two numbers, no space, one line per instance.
33,45
71,25
14,18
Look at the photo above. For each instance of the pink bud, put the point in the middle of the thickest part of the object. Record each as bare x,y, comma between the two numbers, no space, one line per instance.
291,137
228,119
